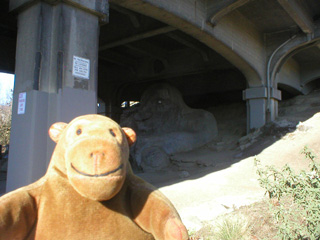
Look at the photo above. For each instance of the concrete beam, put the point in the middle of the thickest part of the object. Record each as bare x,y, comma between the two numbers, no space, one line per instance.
252,93
169,73
137,37
119,59
132,16
298,14
225,41
189,44
99,8
149,50
298,43
222,8
276,94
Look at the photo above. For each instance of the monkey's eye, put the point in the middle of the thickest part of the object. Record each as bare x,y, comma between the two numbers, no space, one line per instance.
79,131
112,132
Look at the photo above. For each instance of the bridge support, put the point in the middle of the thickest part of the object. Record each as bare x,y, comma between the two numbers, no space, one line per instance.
256,107
272,111
56,77
259,111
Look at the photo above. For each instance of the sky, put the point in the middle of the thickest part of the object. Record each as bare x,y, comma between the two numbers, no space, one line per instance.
6,85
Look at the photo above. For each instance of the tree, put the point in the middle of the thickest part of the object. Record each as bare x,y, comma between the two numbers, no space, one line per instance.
5,122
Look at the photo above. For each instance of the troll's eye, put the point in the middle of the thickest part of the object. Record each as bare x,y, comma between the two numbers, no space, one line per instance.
79,131
112,132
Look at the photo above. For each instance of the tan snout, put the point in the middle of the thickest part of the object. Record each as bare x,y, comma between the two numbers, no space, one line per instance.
96,167
95,157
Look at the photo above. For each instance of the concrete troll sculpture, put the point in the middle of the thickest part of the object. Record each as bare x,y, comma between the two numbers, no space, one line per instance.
89,191
166,125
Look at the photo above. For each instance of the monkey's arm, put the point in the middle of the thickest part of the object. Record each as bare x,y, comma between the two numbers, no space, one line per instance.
17,215
154,213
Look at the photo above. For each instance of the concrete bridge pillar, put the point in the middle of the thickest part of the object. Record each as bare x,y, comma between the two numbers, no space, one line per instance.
256,107
262,106
56,77
272,106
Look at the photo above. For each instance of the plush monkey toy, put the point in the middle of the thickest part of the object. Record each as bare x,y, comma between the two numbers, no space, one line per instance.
89,191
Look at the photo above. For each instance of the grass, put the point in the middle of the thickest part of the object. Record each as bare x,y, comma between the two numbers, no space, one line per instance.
252,222
235,227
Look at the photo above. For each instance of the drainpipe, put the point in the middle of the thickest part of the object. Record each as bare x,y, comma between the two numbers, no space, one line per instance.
269,74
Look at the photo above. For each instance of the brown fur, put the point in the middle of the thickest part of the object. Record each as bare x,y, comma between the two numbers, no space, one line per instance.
89,191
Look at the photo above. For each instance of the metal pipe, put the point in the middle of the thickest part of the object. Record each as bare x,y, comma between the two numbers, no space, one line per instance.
269,75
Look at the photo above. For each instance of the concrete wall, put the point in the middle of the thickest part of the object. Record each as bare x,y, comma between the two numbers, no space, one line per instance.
240,35
290,75
298,75
310,71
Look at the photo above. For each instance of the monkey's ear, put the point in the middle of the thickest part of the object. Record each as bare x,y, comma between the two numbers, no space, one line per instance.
56,129
130,134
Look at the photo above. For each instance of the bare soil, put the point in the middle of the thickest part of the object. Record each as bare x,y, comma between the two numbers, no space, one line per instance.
262,226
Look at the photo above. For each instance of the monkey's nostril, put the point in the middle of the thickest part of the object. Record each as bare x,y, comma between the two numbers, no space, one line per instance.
97,154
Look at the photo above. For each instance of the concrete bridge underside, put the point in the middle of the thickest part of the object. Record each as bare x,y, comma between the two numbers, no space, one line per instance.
213,51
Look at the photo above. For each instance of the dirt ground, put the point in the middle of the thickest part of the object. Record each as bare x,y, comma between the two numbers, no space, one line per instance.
224,177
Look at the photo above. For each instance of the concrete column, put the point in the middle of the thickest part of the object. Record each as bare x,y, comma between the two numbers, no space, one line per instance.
260,108
256,107
56,77
275,96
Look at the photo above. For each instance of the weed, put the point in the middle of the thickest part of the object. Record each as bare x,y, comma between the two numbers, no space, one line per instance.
297,211
232,228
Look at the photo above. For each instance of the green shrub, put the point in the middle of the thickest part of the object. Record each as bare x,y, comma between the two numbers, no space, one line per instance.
297,205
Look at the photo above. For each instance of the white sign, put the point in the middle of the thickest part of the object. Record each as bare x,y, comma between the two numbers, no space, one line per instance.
22,103
81,67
